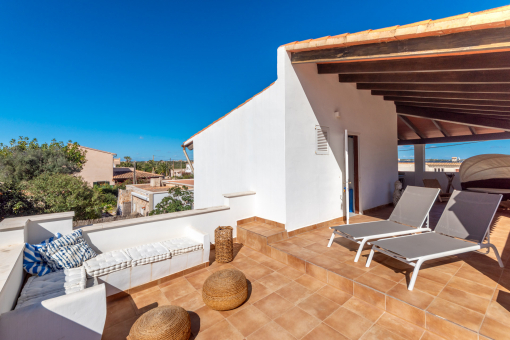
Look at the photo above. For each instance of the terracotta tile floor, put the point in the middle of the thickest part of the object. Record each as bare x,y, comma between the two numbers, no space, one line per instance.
470,291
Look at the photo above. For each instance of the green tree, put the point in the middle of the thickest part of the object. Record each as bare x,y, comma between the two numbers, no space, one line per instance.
24,160
14,201
180,199
53,192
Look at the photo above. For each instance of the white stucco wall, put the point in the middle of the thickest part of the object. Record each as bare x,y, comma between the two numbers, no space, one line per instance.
314,182
244,151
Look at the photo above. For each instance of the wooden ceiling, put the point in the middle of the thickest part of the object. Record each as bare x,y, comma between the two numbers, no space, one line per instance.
445,94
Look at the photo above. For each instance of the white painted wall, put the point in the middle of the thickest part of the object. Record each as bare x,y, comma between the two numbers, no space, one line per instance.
235,153
314,182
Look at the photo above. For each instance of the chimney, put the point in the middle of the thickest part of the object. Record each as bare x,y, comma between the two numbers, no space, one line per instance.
156,182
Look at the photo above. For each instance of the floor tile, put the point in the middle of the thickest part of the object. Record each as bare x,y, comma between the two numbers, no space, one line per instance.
400,327
499,310
347,271
222,330
297,322
203,318
456,313
290,272
405,311
249,320
119,311
469,273
256,272
190,302
323,261
318,306
348,323
310,283
273,305
257,291
294,292
149,301
364,309
378,333
425,285
259,257
273,264
197,279
471,287
177,288
334,294
324,332
448,329
274,281
415,297
119,331
495,329
376,282
388,273
464,299
271,331
317,247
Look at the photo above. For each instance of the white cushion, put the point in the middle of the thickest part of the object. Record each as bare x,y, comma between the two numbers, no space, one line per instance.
40,288
148,253
182,245
107,262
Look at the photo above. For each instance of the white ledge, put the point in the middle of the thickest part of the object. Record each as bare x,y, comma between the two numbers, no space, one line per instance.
16,223
153,218
8,257
239,194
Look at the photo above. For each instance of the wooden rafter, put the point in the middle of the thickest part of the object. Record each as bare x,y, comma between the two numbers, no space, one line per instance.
467,102
472,129
488,88
440,128
486,76
459,107
495,39
481,61
454,117
411,126
457,139
445,95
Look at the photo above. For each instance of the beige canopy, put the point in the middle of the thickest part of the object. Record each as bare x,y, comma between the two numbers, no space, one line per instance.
484,167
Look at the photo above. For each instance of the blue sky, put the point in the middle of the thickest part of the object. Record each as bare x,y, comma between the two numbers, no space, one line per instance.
140,77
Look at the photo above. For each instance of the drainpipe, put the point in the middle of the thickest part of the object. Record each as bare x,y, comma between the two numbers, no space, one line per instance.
186,154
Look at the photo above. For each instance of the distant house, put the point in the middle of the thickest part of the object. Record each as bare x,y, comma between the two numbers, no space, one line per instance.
123,174
188,168
116,161
98,168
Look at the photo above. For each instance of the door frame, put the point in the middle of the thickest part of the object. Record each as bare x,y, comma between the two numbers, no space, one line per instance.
357,178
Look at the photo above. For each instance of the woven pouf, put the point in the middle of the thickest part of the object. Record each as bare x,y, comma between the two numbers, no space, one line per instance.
224,244
225,289
162,323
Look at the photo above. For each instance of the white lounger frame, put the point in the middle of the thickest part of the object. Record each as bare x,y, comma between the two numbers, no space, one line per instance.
363,240
416,262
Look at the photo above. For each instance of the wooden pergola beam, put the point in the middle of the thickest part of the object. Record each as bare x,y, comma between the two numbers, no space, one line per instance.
440,128
480,61
494,114
494,39
457,139
466,102
472,129
459,107
486,76
485,88
449,95
454,117
412,126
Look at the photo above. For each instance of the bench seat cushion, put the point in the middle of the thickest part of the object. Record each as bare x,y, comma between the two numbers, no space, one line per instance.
107,262
62,282
182,245
148,253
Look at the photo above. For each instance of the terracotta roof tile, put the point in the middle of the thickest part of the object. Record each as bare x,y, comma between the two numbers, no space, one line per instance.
139,174
491,18
208,126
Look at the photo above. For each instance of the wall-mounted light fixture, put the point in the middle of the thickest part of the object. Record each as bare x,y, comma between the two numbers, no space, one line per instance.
337,114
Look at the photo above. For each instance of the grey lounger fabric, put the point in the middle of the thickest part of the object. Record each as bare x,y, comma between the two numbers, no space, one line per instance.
372,228
414,205
468,215
414,246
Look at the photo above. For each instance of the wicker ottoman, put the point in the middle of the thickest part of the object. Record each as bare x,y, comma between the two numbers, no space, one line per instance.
224,244
226,289
162,323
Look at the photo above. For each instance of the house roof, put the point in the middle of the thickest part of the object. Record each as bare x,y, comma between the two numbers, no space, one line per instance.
139,174
190,140
84,147
491,18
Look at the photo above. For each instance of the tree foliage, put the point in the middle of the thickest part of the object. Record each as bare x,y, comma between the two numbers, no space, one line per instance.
14,201
24,160
180,199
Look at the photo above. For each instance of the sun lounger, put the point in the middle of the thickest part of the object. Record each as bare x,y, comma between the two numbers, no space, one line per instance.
462,228
434,183
409,216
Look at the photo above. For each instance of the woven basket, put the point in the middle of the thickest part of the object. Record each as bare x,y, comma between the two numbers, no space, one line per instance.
224,244
162,323
225,289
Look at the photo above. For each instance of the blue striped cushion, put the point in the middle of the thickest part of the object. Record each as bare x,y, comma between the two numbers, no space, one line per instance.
69,251
33,263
